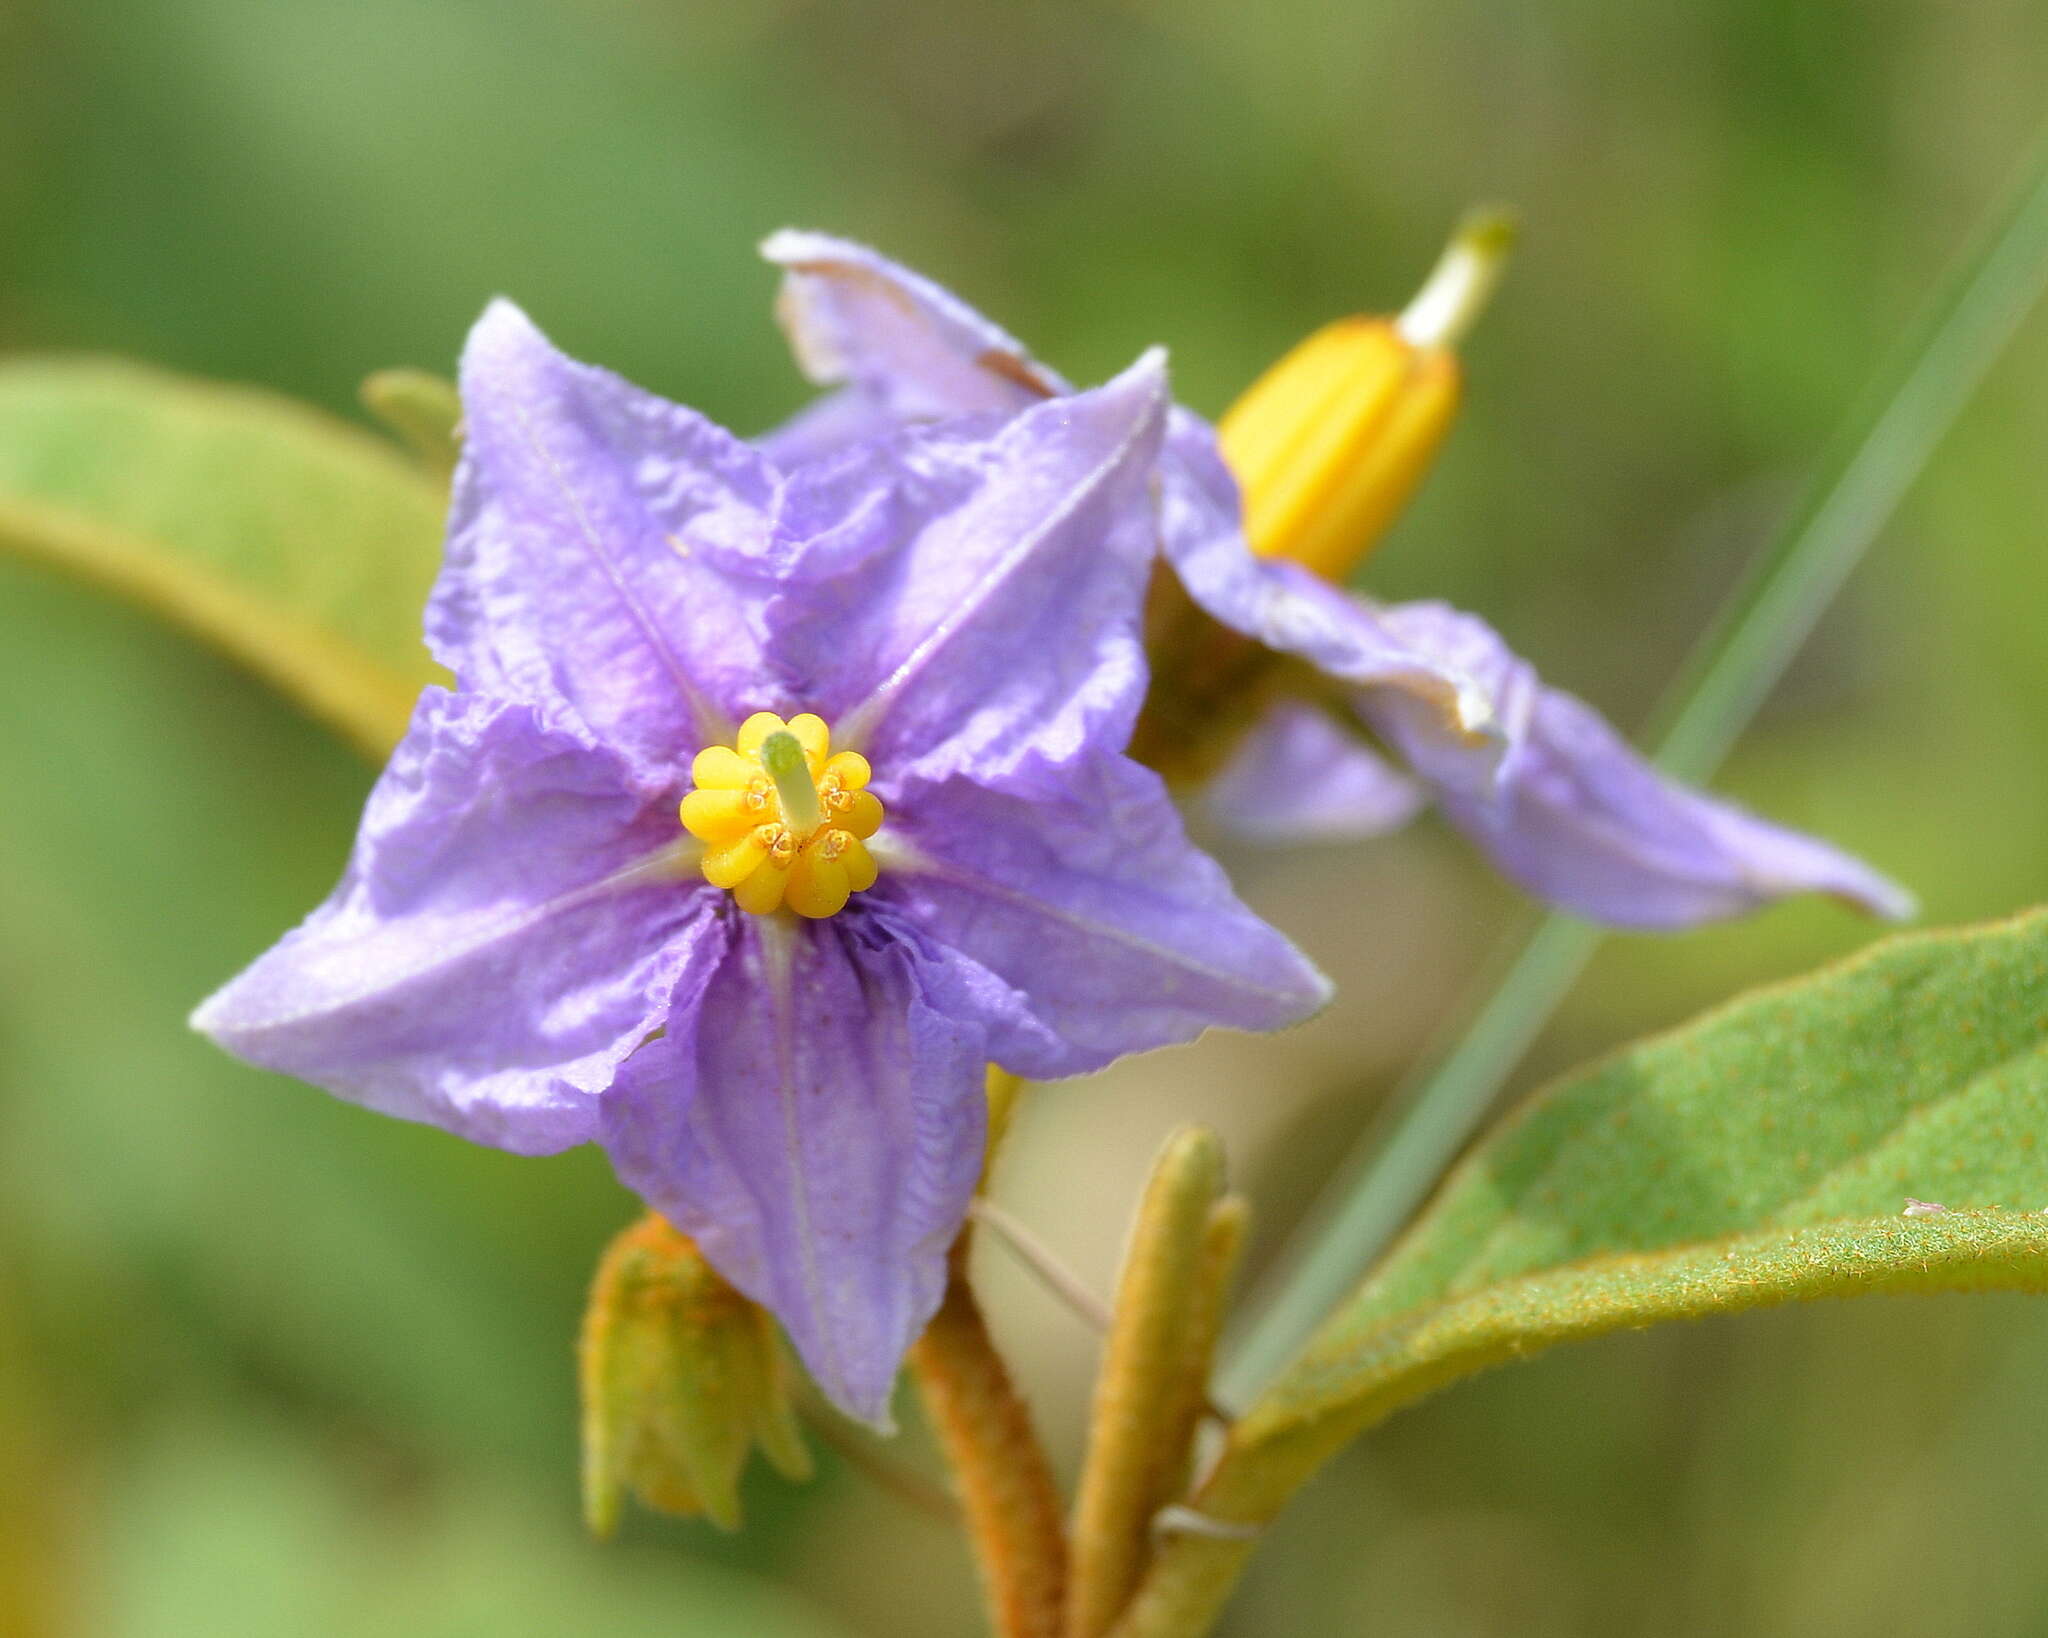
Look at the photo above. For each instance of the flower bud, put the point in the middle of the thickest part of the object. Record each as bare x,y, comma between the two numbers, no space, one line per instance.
1330,442
681,1376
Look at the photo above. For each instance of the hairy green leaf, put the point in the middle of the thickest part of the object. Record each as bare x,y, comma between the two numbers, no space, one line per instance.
295,542
1763,1154
1351,1379
1917,1070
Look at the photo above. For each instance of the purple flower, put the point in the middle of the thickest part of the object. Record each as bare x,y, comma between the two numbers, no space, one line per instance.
1536,777
889,692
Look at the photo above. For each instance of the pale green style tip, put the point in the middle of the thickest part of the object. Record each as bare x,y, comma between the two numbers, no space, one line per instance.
1492,230
782,755
1462,282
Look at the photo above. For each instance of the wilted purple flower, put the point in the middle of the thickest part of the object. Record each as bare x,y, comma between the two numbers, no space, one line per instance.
1535,776
904,677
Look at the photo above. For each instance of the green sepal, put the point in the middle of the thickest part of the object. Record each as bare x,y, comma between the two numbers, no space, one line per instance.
681,1377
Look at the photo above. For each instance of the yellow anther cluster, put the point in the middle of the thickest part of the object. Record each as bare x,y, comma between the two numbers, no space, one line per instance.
1330,442
783,819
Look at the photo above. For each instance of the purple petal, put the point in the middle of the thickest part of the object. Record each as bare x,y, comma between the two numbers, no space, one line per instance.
1084,897
1284,607
817,1127
969,597
1578,818
915,351
507,931
1537,778
603,549
1299,776
824,427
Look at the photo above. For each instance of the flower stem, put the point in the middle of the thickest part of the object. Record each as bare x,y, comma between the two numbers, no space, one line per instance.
1873,461
999,1467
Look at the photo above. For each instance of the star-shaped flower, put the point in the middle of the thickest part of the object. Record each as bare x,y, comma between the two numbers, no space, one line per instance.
770,807
1536,777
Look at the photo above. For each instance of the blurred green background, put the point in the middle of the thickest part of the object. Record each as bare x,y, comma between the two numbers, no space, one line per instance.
271,1365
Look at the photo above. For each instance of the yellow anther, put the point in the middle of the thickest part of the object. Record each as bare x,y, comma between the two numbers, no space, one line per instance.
730,863
720,816
850,769
761,893
859,864
721,768
862,815
755,729
783,818
1329,444
816,739
817,882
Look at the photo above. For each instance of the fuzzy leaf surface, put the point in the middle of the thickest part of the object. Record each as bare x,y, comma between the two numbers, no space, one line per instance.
1761,1154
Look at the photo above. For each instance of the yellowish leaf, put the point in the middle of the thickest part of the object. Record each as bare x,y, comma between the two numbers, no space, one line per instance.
293,541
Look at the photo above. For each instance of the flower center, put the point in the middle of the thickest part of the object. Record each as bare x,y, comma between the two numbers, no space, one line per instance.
783,820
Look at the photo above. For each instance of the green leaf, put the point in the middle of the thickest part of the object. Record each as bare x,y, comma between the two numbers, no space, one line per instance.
1760,1155
1916,1069
295,542
1919,1069
1353,1377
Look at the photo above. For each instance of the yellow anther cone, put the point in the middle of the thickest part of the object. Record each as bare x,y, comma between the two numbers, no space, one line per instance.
1329,444
783,818
1331,441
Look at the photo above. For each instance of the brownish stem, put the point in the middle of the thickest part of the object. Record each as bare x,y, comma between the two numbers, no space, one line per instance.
1005,1483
